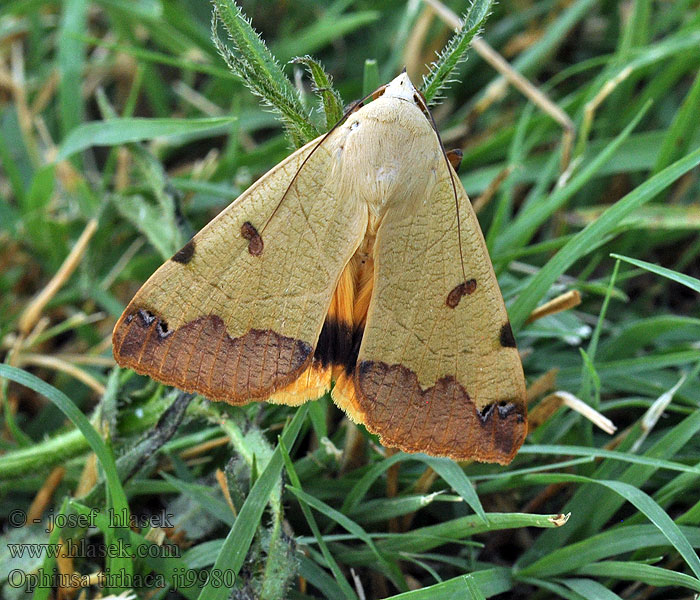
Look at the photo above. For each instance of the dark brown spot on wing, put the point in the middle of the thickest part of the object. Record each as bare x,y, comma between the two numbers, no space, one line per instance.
146,316
255,241
507,339
201,356
455,157
463,289
184,254
162,329
440,420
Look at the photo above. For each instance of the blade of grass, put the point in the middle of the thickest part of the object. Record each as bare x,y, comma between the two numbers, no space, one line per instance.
136,129
202,495
71,58
588,588
432,536
643,502
347,590
476,585
577,247
526,223
438,78
641,572
238,541
657,463
686,280
171,567
447,469
612,542
120,564
389,568
330,27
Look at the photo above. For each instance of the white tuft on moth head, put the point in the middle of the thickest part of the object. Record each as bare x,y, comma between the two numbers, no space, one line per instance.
401,87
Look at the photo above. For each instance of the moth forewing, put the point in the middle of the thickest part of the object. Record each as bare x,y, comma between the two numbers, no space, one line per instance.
235,323
345,263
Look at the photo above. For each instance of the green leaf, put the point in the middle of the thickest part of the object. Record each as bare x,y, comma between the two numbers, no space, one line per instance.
640,572
323,86
71,60
330,27
432,536
253,62
454,52
475,586
104,454
137,129
588,588
156,224
447,469
682,130
171,567
526,223
578,246
612,542
347,590
202,495
453,474
390,569
686,280
234,549
643,502
627,457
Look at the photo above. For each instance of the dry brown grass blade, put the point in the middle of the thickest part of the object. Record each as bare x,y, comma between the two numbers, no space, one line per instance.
57,364
543,384
223,484
593,104
88,477
561,398
556,305
483,200
517,80
421,486
33,311
45,494
204,447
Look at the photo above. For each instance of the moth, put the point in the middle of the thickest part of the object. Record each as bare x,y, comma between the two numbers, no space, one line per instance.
355,266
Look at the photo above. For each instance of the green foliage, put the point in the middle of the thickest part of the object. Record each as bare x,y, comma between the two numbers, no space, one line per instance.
323,86
125,113
251,60
438,78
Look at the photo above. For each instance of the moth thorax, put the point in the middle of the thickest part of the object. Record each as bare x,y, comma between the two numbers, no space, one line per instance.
387,166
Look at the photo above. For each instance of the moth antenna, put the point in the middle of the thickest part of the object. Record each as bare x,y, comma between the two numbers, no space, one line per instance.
420,100
351,109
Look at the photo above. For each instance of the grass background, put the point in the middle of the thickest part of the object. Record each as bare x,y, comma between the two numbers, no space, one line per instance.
88,210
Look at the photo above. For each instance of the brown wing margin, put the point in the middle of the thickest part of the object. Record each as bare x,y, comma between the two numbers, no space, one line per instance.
204,358
446,422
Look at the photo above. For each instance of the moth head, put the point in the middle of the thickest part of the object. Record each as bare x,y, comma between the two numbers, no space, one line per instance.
401,87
